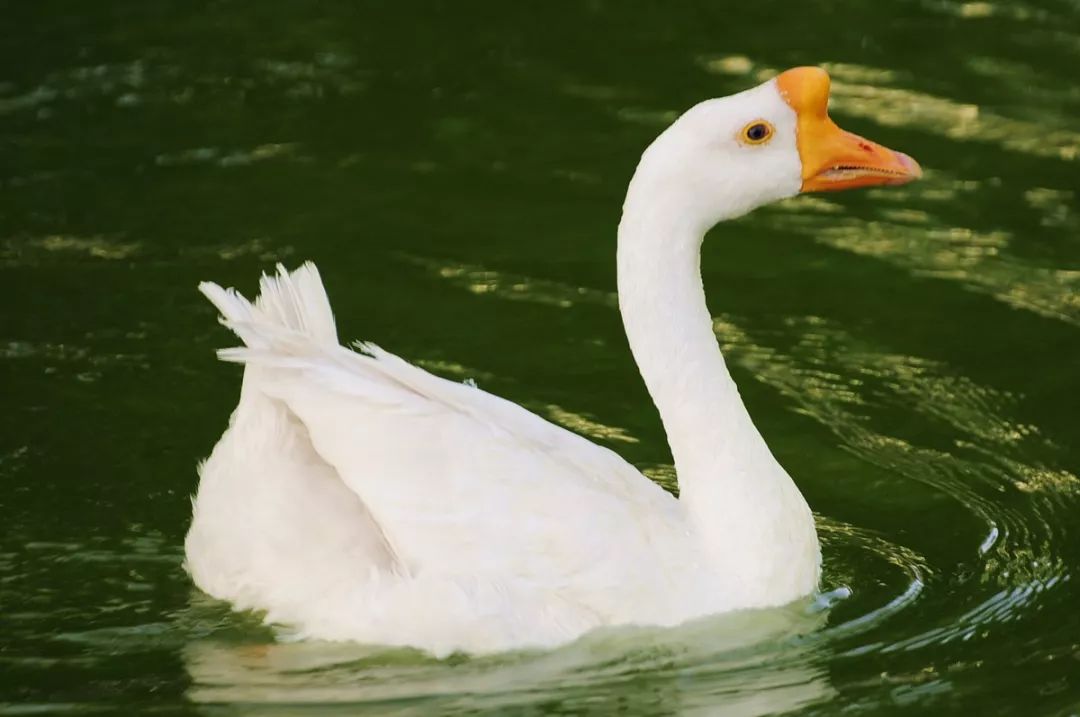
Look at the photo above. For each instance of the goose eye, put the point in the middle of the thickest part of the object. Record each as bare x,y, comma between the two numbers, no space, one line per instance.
757,132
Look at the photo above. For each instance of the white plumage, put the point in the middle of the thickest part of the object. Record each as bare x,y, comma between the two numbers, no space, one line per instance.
495,528
357,497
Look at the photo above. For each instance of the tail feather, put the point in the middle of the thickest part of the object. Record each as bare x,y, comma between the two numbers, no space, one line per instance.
292,305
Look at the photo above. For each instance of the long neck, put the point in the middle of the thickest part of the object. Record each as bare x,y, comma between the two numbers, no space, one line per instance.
670,331
735,494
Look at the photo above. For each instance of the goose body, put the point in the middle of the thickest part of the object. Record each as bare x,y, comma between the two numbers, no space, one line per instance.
357,497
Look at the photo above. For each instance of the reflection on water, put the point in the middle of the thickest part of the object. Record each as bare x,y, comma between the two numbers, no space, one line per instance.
972,258
28,251
584,425
921,242
159,80
863,93
1057,207
753,663
478,280
222,158
456,172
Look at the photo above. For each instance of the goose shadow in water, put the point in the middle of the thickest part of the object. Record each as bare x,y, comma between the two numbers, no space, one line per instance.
740,664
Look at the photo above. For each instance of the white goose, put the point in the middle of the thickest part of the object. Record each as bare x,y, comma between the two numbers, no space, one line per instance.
357,497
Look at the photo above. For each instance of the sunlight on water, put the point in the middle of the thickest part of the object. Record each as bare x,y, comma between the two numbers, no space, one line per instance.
227,158
897,106
478,280
456,172
585,425
156,80
28,251
976,259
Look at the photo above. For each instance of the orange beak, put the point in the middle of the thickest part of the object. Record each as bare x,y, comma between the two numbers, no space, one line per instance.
833,159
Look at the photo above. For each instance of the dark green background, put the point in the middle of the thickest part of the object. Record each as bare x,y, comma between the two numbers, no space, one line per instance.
456,170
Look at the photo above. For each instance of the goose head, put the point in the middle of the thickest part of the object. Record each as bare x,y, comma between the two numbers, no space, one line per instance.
727,156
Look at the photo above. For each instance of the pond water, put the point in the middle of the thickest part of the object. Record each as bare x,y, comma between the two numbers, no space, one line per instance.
457,170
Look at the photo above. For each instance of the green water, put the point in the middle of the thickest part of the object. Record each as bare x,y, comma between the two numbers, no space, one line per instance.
456,170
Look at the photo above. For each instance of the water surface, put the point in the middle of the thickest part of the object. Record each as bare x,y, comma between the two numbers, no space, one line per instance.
456,170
